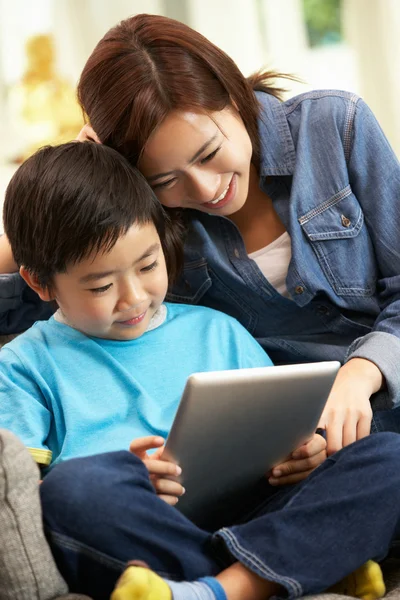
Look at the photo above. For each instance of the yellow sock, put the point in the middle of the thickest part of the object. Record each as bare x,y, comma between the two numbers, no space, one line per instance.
366,582
140,583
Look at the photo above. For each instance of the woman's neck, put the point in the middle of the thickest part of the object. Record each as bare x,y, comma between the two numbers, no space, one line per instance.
257,221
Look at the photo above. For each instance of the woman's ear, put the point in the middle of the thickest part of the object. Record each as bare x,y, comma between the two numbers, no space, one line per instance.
44,293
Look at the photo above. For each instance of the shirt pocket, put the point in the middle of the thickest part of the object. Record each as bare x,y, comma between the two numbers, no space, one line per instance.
341,242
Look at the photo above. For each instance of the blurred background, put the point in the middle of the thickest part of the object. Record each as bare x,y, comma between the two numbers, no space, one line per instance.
346,44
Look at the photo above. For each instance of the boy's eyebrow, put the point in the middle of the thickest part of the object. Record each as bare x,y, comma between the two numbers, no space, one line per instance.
192,160
101,274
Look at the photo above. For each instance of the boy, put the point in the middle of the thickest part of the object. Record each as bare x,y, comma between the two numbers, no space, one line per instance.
111,364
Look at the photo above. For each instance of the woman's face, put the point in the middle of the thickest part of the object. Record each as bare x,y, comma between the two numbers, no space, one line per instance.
200,161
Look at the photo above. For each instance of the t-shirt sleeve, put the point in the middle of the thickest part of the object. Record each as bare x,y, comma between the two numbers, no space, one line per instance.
23,407
248,350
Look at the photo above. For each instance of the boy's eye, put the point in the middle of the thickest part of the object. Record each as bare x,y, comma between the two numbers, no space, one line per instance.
210,156
101,290
149,267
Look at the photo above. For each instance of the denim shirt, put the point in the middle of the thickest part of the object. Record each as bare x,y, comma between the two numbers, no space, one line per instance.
335,184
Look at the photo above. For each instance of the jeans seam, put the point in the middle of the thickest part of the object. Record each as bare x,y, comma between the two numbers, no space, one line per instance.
294,587
64,541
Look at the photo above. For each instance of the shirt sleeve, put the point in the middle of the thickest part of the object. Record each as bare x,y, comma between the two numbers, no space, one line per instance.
23,407
374,172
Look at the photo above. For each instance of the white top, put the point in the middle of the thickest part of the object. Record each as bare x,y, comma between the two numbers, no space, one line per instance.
273,261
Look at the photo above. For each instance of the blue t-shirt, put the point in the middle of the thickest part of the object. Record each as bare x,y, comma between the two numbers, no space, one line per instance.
72,395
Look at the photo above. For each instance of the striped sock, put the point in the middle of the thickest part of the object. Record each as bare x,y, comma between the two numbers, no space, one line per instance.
206,588
140,583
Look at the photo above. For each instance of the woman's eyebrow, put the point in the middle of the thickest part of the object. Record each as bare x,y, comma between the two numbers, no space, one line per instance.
191,161
201,150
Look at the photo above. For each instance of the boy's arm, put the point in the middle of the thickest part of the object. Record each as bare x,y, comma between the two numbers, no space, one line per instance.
23,408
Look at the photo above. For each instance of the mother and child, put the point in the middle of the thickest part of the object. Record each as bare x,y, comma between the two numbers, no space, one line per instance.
286,216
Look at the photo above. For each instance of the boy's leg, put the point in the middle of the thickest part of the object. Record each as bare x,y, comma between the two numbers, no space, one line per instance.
344,514
27,568
101,511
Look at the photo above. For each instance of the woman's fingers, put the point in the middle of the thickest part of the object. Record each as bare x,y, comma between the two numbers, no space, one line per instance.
88,133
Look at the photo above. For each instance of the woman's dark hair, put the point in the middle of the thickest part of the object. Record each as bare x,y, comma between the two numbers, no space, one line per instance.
149,65
68,201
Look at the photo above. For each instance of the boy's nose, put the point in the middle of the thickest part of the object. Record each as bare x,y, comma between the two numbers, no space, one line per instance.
132,296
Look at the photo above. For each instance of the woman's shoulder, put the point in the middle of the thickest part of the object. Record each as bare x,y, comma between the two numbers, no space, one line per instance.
317,99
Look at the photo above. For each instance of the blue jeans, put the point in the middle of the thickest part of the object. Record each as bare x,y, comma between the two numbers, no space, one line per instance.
101,511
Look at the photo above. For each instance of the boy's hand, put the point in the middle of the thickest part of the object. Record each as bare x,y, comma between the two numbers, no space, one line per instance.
301,462
160,471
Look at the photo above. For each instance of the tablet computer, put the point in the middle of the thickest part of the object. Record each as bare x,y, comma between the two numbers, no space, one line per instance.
231,427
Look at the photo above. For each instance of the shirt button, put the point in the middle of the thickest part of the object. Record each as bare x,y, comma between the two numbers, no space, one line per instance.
299,289
345,221
236,253
322,310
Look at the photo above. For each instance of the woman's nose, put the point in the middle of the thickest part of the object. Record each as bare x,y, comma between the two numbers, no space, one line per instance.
204,186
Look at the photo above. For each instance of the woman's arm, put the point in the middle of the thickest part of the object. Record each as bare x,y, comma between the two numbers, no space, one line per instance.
347,415
372,362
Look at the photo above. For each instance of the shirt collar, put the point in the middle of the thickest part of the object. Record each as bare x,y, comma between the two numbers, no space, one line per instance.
277,151
156,320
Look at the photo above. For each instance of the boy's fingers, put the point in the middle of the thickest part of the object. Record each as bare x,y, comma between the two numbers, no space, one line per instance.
160,467
171,500
167,486
289,479
141,445
158,453
298,466
316,445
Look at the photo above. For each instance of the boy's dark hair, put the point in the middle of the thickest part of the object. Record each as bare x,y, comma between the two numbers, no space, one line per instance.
67,201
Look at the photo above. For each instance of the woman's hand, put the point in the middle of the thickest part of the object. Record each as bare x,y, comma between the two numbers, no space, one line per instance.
347,415
301,462
87,133
161,472
7,262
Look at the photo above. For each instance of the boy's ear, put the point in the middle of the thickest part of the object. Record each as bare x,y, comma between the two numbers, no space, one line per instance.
44,293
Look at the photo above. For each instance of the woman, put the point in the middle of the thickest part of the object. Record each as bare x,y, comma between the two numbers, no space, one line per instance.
289,208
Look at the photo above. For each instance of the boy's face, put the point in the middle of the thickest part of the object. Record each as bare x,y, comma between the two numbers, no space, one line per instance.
114,295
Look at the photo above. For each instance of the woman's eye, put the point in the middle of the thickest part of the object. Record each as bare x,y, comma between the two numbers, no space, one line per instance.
210,156
164,184
149,267
101,290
